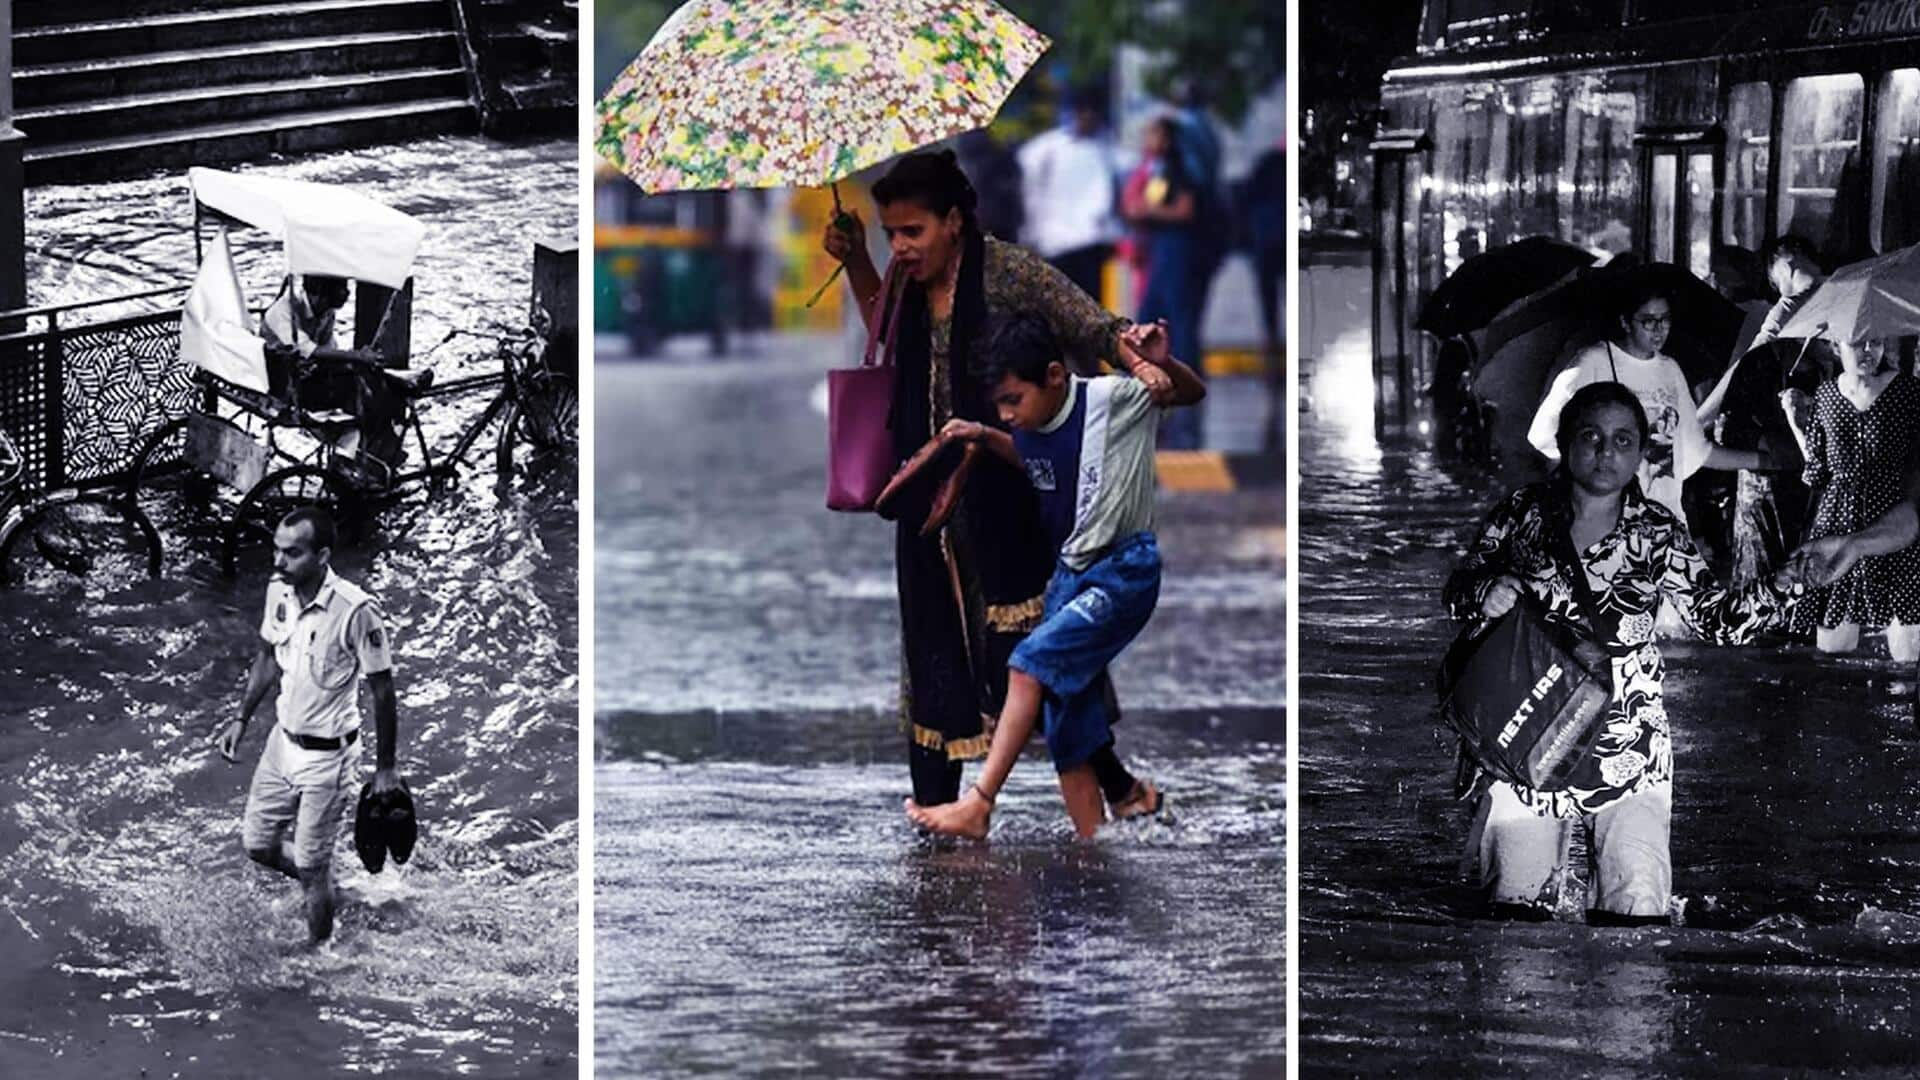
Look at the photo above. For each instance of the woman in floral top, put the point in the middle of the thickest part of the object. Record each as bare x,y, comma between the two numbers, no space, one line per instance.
972,590
1635,552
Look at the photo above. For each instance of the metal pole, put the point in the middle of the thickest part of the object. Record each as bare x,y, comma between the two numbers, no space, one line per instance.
13,186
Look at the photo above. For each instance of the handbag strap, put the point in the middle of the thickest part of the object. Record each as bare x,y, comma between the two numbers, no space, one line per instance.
1577,567
893,290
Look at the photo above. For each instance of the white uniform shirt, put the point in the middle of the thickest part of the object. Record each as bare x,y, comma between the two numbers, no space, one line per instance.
322,649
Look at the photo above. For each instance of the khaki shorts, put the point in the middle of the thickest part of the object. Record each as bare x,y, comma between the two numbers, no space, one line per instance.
1524,858
305,789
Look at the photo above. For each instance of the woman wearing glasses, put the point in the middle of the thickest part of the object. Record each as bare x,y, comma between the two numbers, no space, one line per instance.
1676,444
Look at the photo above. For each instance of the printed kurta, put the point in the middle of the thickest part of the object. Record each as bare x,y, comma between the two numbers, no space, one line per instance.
1645,557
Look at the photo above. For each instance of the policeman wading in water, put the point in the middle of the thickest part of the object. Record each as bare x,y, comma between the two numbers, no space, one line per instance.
320,634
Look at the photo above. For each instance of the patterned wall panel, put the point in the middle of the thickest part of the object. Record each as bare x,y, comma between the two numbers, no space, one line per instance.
121,380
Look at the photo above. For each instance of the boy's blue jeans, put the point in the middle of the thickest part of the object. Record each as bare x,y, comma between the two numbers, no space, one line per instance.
1089,617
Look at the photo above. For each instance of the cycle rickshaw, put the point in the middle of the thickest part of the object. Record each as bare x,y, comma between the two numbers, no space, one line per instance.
286,420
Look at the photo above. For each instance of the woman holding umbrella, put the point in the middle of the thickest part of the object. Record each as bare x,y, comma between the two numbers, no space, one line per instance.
970,591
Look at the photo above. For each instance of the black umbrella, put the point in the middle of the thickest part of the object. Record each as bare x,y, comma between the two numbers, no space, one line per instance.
1483,285
1705,324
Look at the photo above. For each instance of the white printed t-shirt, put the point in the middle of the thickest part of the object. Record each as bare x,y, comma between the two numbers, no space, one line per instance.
1678,446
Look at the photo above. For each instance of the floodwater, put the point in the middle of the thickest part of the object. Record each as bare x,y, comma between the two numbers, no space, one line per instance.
140,940
484,203
761,904
1796,837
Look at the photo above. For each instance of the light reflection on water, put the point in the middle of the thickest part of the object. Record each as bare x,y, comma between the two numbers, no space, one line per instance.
1796,840
138,934
760,903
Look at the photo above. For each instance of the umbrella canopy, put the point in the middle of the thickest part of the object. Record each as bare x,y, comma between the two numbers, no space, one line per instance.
1870,299
1483,285
1532,338
805,92
327,229
1706,325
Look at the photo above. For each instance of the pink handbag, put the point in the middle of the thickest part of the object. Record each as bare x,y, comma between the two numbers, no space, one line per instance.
860,456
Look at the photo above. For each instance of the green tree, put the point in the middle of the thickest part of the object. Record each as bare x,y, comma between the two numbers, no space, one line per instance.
621,28
1233,50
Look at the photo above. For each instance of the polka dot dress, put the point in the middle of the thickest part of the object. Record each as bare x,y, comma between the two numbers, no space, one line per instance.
1856,468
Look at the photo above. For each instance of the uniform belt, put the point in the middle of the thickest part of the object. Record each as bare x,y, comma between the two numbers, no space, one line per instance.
315,742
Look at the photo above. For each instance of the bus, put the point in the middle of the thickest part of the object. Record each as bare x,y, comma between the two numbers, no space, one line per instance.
1671,128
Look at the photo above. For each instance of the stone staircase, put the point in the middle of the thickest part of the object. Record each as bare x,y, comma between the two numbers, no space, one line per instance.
527,53
193,82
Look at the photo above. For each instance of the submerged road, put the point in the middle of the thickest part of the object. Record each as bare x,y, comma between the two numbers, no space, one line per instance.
760,902
138,938
1796,834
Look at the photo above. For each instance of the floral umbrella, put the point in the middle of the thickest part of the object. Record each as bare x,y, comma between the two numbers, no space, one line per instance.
769,93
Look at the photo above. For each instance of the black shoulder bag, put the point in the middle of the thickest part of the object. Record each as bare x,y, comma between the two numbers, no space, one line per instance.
1528,696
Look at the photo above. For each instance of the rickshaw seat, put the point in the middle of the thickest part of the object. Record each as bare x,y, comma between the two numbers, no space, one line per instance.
410,381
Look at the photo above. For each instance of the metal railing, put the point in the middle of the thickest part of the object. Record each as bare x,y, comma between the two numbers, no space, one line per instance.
80,396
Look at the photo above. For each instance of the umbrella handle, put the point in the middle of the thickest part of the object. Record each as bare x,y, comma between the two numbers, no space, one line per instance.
1804,346
822,290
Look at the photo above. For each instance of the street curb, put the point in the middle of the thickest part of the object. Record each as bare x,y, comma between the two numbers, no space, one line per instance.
1217,472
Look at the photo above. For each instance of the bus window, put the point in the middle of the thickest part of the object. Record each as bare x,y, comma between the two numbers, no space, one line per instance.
1820,144
1896,162
1666,175
1749,121
1603,112
1700,215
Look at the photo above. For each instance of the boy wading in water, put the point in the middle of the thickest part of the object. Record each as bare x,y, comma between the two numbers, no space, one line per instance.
1087,445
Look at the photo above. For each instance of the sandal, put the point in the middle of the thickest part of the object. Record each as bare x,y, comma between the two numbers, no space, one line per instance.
1143,801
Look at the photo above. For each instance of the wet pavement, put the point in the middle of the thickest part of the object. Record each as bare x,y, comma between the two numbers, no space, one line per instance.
140,939
760,902
1796,837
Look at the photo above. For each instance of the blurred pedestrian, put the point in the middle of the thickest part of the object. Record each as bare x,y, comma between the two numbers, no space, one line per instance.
973,589
1162,204
1793,267
995,174
1067,185
1265,203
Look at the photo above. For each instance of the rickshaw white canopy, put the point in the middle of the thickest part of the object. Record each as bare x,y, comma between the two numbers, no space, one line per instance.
327,229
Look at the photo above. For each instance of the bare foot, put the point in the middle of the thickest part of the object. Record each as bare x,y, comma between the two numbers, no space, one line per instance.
1144,799
967,816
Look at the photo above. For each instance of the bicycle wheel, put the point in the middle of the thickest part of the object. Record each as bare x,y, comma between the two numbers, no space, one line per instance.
250,533
160,469
73,534
549,410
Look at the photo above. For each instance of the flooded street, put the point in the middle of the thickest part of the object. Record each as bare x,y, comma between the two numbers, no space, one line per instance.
760,901
484,203
1796,837
141,940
